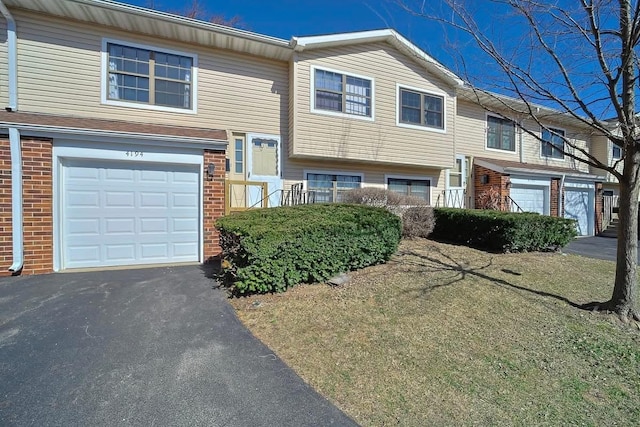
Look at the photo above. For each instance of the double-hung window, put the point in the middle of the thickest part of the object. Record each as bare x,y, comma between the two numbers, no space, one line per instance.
553,143
342,93
330,187
152,77
501,134
421,109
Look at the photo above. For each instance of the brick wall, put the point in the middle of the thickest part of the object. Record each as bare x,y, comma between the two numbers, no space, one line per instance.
599,208
213,202
553,195
496,185
37,190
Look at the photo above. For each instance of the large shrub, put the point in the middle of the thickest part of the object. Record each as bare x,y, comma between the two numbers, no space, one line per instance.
416,214
270,250
503,231
418,221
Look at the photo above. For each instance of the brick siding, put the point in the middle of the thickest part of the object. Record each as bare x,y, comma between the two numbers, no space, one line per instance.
213,202
37,191
553,195
599,208
497,182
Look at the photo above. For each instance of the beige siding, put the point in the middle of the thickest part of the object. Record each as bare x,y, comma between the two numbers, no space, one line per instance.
373,175
325,136
471,125
4,81
60,73
602,148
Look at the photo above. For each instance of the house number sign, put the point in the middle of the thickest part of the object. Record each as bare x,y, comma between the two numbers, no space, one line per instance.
134,153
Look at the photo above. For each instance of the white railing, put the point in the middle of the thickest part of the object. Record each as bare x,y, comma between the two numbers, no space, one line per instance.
609,205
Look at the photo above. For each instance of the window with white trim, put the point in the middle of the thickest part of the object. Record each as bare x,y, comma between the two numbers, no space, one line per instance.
342,93
501,134
152,77
553,143
616,152
420,188
331,187
421,109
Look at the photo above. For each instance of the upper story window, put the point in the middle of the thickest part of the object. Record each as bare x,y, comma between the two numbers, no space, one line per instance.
145,77
616,152
553,143
339,93
421,109
501,134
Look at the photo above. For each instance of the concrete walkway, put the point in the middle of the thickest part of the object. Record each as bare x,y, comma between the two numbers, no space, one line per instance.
140,347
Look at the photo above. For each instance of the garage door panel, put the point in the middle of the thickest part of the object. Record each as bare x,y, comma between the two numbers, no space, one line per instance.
154,200
154,220
183,249
120,226
119,199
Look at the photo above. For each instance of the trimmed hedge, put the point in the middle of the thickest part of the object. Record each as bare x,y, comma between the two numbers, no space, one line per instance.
270,250
503,231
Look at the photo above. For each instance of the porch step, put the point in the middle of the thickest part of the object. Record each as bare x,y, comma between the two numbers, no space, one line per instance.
612,229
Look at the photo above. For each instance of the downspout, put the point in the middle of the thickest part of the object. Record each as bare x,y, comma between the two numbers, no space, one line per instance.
521,141
12,58
16,201
14,144
560,191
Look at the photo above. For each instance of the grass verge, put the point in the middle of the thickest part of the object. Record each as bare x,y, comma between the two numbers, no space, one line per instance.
448,335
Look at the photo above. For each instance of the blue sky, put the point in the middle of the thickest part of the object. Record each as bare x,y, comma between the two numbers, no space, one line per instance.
288,18
456,51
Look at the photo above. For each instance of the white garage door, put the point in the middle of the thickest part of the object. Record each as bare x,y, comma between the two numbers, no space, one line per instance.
578,205
125,213
529,198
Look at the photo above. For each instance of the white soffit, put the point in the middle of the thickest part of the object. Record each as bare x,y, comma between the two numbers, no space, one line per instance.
160,24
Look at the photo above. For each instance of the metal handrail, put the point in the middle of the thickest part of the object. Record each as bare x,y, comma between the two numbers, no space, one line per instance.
514,202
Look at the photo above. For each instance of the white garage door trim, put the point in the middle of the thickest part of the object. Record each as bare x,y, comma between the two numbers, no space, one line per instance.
534,184
571,187
121,153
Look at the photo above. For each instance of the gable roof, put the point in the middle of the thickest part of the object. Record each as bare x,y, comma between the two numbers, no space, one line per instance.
155,23
159,24
300,44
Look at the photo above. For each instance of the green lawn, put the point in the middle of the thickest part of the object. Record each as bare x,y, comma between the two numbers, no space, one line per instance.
447,335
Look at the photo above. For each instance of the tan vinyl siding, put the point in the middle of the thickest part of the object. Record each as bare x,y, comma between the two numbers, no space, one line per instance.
60,73
373,174
325,136
602,149
471,139
4,71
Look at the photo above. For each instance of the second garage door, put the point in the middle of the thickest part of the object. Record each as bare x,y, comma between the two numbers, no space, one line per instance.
579,205
128,213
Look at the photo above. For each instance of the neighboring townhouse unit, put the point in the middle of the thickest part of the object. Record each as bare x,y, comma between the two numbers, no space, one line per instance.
128,131
510,163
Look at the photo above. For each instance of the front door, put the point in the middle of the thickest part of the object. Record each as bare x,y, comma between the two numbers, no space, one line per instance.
264,165
237,170
456,184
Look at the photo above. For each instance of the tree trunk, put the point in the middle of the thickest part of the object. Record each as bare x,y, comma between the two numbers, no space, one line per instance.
623,300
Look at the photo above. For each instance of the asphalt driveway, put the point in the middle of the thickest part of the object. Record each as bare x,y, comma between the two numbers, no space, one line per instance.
595,247
140,347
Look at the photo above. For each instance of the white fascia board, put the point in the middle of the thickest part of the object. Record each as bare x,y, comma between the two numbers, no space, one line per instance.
117,137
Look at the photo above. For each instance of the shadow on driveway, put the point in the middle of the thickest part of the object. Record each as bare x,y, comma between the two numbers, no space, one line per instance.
140,347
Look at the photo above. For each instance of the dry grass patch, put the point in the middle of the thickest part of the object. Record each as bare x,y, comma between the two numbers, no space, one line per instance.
445,335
